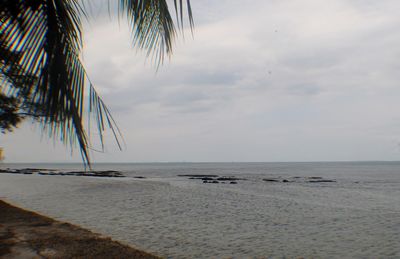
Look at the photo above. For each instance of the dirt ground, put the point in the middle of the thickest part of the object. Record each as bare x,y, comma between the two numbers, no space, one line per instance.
25,234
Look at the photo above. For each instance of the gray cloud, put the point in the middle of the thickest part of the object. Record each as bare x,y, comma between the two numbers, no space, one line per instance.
274,80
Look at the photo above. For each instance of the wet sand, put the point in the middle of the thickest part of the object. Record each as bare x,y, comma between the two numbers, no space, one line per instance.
25,234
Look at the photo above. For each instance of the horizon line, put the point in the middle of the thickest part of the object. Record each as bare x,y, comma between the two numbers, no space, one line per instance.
205,162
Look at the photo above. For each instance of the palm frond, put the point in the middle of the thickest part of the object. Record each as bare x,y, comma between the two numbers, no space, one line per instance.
40,43
47,34
152,25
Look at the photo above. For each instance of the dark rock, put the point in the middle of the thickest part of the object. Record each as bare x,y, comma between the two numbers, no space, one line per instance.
314,177
271,180
197,175
214,181
322,181
233,183
109,172
106,173
31,169
207,179
285,181
139,177
229,179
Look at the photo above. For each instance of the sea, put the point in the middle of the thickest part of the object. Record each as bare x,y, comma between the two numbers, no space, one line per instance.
268,210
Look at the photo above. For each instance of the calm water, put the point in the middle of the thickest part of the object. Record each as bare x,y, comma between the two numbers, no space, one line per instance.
358,216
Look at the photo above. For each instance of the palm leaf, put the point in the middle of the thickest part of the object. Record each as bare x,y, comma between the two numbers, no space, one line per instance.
152,26
41,41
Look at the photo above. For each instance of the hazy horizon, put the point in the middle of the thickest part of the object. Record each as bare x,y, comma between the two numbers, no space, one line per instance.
209,162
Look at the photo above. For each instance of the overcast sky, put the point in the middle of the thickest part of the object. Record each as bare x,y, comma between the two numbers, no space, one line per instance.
262,80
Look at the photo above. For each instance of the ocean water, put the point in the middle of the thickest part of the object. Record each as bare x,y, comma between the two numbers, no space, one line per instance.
356,216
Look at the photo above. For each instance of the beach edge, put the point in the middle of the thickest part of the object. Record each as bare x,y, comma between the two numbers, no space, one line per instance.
32,235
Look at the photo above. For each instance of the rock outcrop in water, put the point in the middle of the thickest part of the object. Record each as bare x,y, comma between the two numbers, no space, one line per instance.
322,181
211,178
299,179
104,173
270,180
195,176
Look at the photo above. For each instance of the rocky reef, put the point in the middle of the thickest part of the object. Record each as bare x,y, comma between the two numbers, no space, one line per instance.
212,178
41,171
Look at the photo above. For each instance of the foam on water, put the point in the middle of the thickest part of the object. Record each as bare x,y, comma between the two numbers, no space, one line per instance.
358,216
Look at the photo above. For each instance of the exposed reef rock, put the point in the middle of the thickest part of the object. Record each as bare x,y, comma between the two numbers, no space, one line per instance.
209,178
195,176
45,172
322,181
299,179
271,180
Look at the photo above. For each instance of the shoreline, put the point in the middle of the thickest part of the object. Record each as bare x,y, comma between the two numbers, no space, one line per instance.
27,234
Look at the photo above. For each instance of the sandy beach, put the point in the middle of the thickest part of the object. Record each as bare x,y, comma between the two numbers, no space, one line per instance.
25,234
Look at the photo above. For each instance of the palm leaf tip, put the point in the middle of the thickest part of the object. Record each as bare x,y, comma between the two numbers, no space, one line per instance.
152,25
